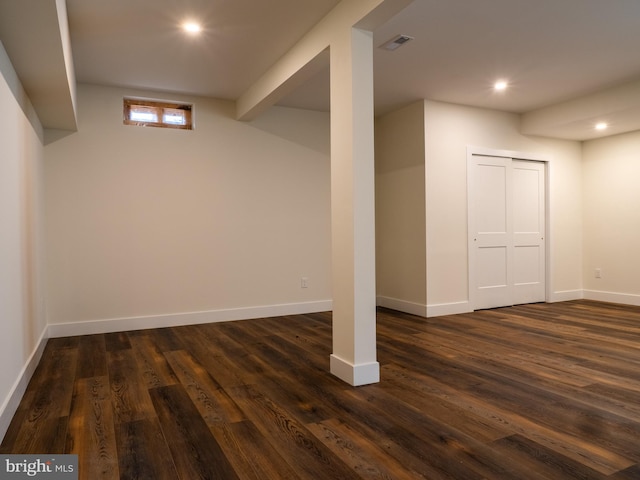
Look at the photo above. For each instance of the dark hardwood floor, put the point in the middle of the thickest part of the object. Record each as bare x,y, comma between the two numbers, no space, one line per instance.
544,391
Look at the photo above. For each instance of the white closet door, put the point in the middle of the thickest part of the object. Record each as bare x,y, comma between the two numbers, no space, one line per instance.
490,226
506,232
528,232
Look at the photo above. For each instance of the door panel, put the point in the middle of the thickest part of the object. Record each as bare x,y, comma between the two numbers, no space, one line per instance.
526,265
528,233
506,231
490,190
493,275
526,197
491,200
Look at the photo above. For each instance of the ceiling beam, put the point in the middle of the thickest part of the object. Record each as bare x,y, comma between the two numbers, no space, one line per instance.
35,35
291,70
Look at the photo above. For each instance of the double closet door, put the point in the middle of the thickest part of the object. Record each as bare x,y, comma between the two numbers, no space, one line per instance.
506,231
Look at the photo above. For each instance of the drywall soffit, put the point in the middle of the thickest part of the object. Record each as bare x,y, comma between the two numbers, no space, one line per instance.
35,37
575,119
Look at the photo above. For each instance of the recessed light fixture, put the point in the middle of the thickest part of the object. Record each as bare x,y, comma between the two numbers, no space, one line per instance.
601,126
500,85
192,27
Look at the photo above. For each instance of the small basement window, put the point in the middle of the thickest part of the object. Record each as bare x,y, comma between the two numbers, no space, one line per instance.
150,113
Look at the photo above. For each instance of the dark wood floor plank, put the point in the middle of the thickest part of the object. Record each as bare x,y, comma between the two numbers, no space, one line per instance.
129,395
309,396
625,402
231,345
212,401
92,357
117,341
250,453
534,461
196,453
91,433
551,409
62,343
415,462
597,458
362,454
143,452
532,392
472,458
152,364
567,402
402,443
166,339
302,450
400,386
297,354
579,333
46,404
46,435
631,473
262,328
556,369
223,368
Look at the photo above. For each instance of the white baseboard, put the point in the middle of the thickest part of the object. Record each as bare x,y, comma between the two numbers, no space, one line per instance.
441,309
464,307
10,405
356,375
437,310
566,295
179,319
612,297
402,306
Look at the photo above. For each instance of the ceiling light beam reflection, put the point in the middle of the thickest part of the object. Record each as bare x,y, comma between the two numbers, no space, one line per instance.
192,28
500,85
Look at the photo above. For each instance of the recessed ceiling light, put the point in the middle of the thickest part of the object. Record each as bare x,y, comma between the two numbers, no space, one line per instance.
601,126
192,27
500,85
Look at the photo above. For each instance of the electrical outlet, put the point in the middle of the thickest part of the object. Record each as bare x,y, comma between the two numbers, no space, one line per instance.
598,273
304,282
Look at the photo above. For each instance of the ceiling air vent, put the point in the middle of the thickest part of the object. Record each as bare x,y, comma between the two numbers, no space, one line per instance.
396,42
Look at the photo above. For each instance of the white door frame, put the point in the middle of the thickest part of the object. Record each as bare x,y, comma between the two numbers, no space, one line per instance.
516,155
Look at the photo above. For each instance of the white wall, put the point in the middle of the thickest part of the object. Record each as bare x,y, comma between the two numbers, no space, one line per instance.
449,129
22,315
611,199
149,222
400,210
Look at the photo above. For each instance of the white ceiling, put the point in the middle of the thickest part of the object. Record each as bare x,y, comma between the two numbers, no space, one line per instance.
140,44
570,63
551,51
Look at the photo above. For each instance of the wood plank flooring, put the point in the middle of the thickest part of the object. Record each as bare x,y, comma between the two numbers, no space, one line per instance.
544,391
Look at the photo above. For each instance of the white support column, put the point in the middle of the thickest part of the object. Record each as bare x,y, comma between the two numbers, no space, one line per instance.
353,209
352,167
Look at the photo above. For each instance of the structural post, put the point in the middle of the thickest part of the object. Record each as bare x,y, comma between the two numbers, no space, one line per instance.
353,208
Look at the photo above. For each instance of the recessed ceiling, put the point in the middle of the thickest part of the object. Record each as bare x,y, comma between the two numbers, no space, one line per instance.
550,51
140,43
